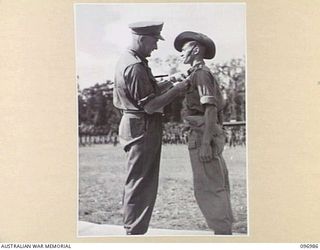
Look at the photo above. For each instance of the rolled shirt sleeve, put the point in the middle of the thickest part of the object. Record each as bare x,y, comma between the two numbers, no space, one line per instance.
206,88
139,84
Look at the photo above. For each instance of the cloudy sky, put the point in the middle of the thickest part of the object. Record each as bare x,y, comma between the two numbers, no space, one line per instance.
102,32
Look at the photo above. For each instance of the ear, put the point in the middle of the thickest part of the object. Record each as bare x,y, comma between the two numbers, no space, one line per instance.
141,39
196,50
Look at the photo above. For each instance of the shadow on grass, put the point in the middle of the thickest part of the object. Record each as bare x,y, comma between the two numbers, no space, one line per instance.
102,174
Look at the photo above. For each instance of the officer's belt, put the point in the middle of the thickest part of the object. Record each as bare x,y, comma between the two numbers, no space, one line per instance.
130,111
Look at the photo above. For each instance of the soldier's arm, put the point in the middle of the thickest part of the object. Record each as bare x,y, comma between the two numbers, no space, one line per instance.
210,123
162,100
208,99
210,128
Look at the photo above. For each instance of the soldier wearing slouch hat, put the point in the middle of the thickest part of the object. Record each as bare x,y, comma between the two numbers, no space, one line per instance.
203,113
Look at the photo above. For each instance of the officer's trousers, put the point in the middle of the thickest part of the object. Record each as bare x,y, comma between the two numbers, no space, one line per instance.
143,134
211,184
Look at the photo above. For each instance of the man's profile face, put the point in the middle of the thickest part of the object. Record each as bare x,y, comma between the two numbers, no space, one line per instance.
149,45
186,53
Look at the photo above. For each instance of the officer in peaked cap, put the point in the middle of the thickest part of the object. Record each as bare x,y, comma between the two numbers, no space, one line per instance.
140,131
204,105
147,28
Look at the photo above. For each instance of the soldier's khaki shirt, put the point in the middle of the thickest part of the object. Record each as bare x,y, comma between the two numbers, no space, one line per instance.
204,89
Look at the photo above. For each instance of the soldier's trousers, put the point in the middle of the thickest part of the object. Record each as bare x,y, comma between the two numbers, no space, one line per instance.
143,160
211,184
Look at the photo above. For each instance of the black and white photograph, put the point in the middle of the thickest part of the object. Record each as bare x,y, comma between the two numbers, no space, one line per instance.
162,131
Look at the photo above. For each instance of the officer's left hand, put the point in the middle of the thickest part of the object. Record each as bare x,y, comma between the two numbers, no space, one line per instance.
183,86
205,153
178,77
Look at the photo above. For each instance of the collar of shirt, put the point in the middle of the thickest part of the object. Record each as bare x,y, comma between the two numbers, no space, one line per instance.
195,67
143,59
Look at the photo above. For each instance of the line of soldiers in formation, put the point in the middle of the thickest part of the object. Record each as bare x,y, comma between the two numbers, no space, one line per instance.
99,119
97,113
173,133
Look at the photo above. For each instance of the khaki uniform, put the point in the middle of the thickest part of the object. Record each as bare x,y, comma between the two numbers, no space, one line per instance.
211,182
140,135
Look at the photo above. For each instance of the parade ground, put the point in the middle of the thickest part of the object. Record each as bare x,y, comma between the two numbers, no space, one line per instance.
101,179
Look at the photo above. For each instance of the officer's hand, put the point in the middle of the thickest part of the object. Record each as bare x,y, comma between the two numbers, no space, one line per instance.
178,77
205,153
183,86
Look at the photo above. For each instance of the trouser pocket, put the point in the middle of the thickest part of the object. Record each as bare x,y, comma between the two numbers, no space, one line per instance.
218,143
132,126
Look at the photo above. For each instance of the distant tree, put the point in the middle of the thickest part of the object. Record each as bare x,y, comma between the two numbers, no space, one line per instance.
96,110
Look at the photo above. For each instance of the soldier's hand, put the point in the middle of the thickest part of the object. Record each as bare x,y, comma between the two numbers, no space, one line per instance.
205,153
219,141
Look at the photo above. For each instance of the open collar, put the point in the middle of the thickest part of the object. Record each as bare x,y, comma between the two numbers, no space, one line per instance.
195,67
143,59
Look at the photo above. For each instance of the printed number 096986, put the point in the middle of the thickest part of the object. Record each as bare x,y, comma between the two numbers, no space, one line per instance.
308,245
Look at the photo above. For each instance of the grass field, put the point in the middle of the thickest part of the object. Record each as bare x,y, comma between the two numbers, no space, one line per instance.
102,174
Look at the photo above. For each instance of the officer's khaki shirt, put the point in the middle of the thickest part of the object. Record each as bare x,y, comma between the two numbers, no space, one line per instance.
133,78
